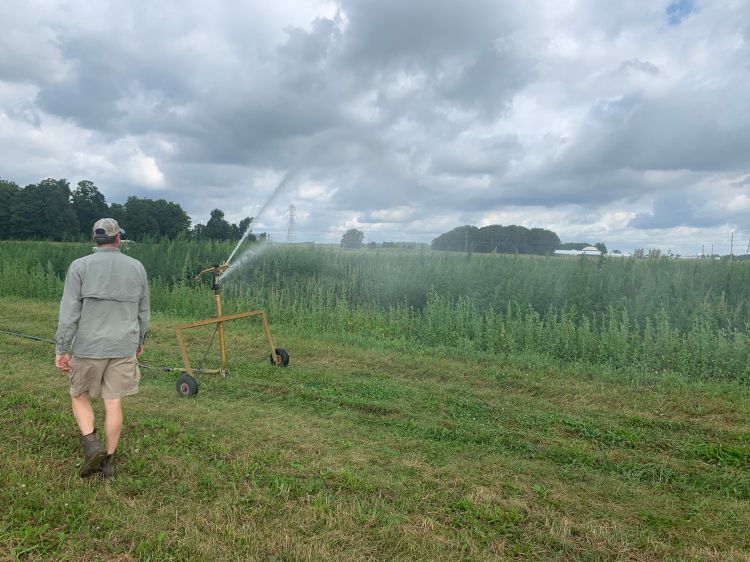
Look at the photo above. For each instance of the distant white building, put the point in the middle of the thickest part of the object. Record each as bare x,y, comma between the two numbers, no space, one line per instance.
587,251
591,251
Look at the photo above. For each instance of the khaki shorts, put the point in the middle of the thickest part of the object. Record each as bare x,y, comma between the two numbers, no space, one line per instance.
115,378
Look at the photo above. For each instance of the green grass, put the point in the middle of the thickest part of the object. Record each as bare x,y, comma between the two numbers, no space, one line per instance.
374,451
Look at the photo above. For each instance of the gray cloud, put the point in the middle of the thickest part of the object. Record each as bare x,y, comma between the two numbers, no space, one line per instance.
633,131
640,66
710,207
672,211
400,115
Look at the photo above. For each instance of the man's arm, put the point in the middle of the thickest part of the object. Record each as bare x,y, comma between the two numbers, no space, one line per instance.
70,313
144,314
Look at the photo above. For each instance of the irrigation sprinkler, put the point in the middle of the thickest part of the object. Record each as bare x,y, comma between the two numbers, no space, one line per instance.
186,384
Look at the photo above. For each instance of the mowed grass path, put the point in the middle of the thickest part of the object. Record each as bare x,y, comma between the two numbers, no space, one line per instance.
354,453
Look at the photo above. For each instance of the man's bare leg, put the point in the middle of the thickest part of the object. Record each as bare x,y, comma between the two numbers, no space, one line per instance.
83,413
112,423
94,455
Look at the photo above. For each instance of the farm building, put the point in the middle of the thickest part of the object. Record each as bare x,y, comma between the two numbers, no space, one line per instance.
587,251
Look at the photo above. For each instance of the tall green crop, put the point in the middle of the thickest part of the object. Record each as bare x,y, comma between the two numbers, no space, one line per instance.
688,316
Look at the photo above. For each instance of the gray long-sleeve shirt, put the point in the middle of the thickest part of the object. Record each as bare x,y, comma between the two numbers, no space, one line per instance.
104,311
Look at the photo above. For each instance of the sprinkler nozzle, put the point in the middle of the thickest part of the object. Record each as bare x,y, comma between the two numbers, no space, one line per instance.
217,269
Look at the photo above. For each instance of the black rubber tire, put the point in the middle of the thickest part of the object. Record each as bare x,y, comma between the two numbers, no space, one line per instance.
284,357
186,386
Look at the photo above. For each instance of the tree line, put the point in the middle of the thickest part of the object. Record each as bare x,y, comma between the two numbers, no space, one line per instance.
511,239
494,238
52,210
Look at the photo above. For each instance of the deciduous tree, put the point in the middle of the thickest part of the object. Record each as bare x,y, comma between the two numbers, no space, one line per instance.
43,211
497,238
352,238
89,205
142,217
8,193
217,227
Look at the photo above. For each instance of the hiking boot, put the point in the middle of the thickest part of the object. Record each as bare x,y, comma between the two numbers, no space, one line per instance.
93,453
108,466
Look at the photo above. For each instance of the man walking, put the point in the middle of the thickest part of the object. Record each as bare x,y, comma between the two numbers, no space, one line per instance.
104,317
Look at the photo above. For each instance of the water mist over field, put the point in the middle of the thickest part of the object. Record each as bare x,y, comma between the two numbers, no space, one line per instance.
271,198
247,256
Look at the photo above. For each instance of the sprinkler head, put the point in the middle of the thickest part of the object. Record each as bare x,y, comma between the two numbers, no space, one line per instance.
217,269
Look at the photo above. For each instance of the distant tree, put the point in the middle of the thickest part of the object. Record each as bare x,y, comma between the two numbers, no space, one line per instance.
142,217
198,232
372,245
460,239
601,246
43,211
573,246
89,206
239,229
217,228
172,220
492,238
244,225
498,238
352,238
138,219
543,241
8,193
117,212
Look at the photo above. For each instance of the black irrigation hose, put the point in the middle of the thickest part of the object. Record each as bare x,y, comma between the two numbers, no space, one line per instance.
28,337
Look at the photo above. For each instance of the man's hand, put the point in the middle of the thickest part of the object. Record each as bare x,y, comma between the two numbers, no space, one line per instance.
139,351
62,362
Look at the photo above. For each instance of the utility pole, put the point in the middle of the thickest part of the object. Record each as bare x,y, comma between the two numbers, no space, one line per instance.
466,242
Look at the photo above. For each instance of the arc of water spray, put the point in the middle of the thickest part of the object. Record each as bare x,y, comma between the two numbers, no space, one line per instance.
279,188
246,257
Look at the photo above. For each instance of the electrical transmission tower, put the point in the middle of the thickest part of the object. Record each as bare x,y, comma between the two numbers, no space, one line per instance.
291,230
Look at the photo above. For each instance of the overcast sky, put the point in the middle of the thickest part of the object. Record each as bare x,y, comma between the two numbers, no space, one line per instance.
622,122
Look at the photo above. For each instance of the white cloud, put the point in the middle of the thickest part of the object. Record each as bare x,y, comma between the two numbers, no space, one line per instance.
143,169
619,122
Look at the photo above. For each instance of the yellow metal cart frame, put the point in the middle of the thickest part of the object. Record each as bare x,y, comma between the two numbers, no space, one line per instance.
186,384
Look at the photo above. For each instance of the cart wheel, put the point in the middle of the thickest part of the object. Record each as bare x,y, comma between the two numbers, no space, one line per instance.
186,386
283,355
